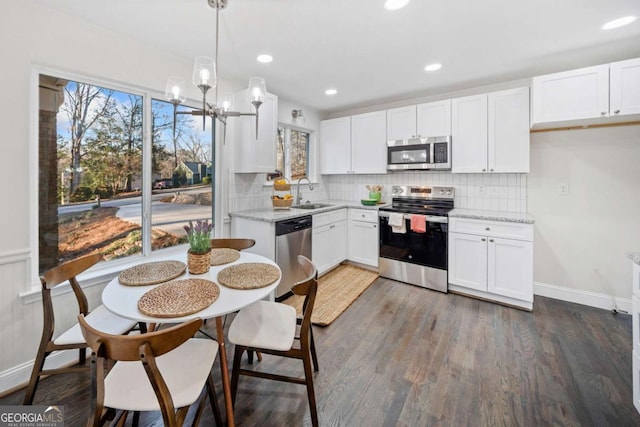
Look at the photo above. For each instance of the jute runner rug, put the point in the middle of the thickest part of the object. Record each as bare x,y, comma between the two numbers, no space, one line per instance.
337,290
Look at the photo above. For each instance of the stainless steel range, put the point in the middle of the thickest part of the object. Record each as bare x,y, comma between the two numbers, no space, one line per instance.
413,236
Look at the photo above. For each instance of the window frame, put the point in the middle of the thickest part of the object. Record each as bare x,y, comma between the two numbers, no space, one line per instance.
310,150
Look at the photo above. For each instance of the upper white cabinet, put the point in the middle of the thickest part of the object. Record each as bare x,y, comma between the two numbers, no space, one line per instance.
335,146
253,155
354,144
624,87
490,132
591,95
416,121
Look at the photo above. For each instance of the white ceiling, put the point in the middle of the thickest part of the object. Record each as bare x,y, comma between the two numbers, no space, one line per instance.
370,55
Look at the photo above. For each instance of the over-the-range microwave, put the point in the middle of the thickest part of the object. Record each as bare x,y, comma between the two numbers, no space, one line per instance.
419,153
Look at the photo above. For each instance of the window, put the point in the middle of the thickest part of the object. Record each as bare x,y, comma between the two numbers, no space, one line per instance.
292,158
93,184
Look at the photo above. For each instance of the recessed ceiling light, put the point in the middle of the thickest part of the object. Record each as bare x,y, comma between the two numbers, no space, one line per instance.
395,4
330,91
617,23
264,58
433,67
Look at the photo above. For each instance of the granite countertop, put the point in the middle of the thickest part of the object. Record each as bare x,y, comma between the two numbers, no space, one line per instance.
275,215
521,217
634,256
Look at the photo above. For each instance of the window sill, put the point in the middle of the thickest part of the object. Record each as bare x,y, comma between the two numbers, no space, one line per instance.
103,273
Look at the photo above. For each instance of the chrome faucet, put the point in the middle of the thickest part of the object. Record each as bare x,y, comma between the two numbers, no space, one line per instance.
298,194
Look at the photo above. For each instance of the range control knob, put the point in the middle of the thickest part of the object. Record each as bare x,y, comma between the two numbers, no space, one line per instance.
441,192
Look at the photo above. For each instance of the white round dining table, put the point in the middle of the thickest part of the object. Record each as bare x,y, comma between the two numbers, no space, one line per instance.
123,301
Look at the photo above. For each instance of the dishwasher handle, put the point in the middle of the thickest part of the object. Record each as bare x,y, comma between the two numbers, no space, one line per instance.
293,225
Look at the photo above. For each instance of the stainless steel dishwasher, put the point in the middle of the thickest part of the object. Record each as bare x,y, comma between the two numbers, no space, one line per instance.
293,238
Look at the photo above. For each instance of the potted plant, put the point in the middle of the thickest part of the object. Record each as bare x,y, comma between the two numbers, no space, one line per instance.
199,253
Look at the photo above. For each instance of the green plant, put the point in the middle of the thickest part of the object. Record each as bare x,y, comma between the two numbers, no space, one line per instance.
199,236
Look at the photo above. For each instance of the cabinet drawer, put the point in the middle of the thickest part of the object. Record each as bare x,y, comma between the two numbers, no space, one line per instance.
329,217
365,215
507,230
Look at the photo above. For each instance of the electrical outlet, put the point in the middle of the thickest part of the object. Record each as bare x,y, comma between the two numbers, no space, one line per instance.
563,189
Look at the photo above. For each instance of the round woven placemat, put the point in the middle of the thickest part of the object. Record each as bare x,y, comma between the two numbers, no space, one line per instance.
250,275
221,256
179,298
151,273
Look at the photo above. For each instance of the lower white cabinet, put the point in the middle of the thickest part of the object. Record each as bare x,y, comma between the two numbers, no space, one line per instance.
635,315
329,239
363,236
492,260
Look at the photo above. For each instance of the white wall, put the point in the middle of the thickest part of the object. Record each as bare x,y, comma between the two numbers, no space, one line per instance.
593,226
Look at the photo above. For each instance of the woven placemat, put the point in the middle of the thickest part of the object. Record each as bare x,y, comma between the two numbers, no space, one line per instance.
221,256
179,298
151,273
250,275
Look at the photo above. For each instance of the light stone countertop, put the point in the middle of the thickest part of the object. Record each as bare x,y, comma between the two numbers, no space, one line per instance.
634,256
521,217
275,215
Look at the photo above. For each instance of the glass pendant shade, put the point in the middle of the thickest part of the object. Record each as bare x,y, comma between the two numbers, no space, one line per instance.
226,103
257,90
176,90
204,73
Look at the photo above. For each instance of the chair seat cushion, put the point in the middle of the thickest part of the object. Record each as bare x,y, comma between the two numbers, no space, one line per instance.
185,371
264,324
101,319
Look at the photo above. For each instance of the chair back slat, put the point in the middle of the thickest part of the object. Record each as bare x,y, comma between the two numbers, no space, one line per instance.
127,347
238,244
307,288
68,270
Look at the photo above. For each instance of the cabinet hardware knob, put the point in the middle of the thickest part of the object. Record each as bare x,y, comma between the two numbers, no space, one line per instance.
484,240
617,112
491,240
375,226
491,170
604,113
484,170
487,228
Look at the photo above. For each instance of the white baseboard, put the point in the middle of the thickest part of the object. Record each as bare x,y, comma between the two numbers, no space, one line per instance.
18,376
577,296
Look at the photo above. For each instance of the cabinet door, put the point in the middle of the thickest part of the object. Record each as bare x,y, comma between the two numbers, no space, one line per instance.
321,248
508,144
510,271
363,242
338,242
368,143
335,146
253,155
434,118
468,261
401,123
625,87
469,134
571,95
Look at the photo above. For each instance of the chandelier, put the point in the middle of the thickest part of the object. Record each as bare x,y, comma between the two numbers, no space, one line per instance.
205,78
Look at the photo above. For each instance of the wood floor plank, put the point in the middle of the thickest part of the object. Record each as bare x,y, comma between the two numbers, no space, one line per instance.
406,356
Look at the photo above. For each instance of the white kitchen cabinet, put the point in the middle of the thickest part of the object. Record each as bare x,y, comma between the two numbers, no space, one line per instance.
368,143
335,146
253,155
419,121
434,118
635,316
469,123
329,240
624,96
492,260
354,145
363,237
401,123
491,132
263,232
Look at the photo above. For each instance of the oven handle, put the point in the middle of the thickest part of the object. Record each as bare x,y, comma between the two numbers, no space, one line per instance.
440,219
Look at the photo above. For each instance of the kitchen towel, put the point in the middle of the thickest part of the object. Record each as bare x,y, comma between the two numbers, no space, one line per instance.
396,221
419,223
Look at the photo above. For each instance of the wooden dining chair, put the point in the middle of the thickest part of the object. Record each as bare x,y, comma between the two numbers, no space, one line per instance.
238,244
270,328
165,370
100,318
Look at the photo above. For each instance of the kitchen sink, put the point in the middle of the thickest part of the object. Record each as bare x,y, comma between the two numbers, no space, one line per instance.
311,206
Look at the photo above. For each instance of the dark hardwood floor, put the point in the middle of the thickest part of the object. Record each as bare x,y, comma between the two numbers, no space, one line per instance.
402,355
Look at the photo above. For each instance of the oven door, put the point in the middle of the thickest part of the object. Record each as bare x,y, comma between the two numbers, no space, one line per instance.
409,154
426,249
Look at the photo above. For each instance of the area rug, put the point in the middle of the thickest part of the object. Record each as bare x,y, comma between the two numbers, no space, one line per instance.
337,290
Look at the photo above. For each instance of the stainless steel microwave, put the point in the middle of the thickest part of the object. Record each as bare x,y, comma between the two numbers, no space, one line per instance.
419,153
